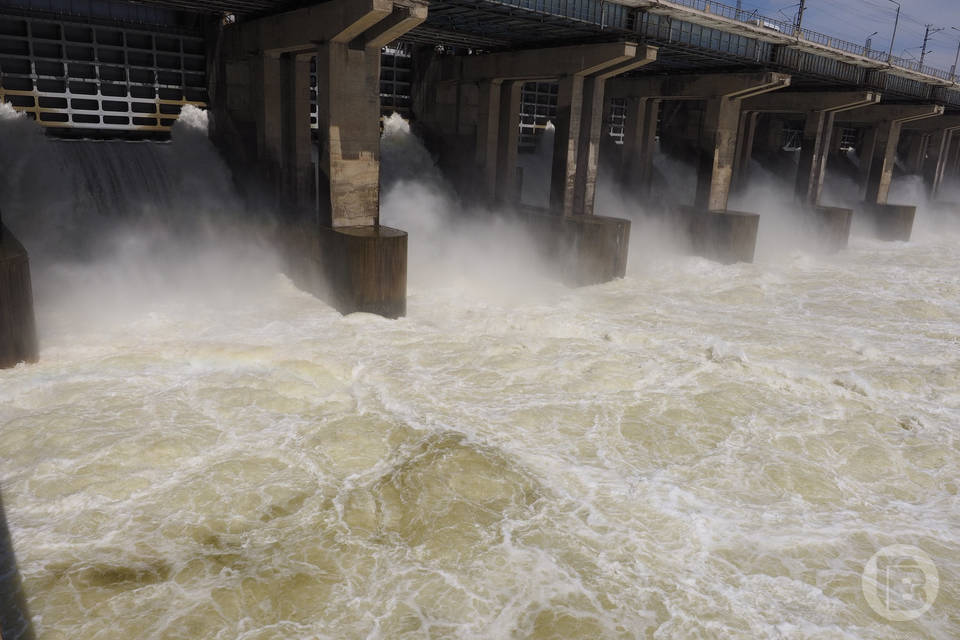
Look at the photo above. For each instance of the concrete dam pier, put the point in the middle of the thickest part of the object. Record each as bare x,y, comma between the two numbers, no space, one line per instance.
296,98
18,333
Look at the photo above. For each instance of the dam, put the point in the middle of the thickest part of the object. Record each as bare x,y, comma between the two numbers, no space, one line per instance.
448,319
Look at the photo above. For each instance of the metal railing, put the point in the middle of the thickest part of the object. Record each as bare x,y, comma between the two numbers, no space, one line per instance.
647,22
788,29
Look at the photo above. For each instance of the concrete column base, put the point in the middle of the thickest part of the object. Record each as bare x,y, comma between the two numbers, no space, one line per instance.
891,222
351,268
723,236
832,226
18,330
587,249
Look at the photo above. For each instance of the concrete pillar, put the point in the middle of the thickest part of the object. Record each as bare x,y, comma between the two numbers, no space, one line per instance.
298,174
866,151
916,151
836,140
717,140
18,333
507,187
268,120
493,125
587,249
885,136
878,153
879,142
566,143
831,224
14,617
341,252
716,153
818,133
591,129
498,133
593,249
639,144
488,133
771,136
817,129
951,170
935,161
714,232
576,149
746,136
348,114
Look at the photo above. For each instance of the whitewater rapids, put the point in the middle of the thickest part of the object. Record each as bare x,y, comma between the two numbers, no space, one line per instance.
694,451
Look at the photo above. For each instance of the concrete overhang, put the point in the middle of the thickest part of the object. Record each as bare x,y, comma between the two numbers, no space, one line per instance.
376,22
795,102
543,64
946,122
899,113
733,86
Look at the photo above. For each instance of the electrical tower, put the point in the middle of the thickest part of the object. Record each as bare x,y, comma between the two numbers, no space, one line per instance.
926,37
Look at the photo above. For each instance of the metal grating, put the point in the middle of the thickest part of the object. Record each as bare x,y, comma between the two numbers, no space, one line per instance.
538,106
396,76
69,74
848,138
617,119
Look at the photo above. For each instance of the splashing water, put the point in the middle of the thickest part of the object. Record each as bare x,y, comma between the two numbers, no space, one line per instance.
693,451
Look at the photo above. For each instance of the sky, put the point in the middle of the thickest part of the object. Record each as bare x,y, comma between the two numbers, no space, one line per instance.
854,20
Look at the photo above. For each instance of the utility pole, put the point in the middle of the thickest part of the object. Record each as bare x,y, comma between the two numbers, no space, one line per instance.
926,37
895,23
739,8
796,27
953,71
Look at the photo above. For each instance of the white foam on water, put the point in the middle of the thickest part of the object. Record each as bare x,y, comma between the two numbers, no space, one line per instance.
693,451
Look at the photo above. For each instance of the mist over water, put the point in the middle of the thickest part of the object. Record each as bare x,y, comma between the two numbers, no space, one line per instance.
693,451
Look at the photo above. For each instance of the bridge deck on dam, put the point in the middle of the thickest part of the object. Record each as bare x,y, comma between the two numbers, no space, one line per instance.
690,33
131,67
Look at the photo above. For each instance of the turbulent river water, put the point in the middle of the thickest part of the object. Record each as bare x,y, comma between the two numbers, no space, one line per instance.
696,450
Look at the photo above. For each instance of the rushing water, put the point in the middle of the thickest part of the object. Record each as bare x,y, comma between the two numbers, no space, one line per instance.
694,451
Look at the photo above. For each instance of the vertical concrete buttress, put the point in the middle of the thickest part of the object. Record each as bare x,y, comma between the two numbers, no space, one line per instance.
879,143
498,79
18,332
746,137
930,159
639,144
716,153
878,149
936,160
262,115
348,112
580,108
297,145
812,167
717,137
819,110
882,143
507,189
